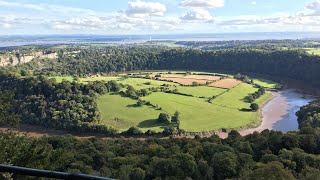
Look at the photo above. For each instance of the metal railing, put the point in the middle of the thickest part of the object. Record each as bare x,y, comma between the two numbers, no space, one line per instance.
47,174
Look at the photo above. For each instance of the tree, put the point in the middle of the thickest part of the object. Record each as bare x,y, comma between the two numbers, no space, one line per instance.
224,164
144,92
7,115
137,174
254,107
133,131
271,171
141,102
169,130
164,118
176,119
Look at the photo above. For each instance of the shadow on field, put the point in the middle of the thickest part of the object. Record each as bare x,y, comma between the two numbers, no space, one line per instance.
246,110
149,124
133,105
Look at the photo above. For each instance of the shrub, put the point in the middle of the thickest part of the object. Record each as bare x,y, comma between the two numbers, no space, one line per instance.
164,118
254,107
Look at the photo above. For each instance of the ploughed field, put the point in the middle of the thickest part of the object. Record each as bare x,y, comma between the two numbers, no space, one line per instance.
205,102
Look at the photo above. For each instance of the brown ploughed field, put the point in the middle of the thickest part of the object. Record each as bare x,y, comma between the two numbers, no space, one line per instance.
225,83
184,81
203,77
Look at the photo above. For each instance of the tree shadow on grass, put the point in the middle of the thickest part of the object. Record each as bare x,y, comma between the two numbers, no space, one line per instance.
151,123
245,110
133,106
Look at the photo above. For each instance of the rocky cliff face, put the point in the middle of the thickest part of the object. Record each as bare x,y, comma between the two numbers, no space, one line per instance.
12,59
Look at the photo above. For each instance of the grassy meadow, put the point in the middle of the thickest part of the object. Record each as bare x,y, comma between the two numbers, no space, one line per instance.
315,51
197,114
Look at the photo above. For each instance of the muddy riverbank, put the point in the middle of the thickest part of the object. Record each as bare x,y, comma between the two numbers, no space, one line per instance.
279,113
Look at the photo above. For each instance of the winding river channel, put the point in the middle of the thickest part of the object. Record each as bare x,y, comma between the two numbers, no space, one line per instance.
279,113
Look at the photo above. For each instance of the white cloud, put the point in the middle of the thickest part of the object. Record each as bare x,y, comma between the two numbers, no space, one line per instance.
116,22
11,21
142,9
312,8
92,23
202,3
148,17
254,3
280,19
314,5
199,10
197,15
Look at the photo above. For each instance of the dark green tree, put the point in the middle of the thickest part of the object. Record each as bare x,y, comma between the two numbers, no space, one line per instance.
176,120
164,118
137,174
254,107
271,171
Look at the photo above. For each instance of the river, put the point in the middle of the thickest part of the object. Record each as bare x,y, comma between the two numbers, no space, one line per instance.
279,113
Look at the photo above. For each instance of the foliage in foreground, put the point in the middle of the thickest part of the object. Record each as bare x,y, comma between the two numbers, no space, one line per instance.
269,155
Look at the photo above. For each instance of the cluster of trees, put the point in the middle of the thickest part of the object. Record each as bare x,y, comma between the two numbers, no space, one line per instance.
268,155
176,91
131,92
173,121
256,95
243,78
41,101
309,115
7,114
294,64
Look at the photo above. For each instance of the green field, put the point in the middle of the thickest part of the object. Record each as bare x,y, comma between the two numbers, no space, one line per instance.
201,91
266,83
139,83
59,79
120,113
101,78
315,51
197,114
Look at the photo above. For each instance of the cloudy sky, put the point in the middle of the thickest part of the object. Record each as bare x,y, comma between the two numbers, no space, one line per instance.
157,16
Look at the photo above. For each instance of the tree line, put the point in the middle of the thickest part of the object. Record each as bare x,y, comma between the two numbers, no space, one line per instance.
293,64
268,155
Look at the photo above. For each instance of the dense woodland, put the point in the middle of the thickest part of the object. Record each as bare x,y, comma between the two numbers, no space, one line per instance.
294,64
71,106
269,155
41,101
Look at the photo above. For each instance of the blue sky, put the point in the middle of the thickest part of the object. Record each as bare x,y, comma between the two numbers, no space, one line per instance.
157,16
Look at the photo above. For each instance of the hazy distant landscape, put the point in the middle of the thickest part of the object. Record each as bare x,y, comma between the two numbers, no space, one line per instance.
6,41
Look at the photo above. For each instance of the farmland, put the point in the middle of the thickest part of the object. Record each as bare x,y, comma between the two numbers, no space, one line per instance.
315,51
225,83
191,101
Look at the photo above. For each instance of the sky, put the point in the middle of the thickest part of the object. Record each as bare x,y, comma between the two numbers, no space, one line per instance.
108,17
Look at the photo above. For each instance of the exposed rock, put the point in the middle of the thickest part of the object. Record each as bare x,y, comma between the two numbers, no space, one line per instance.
12,59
